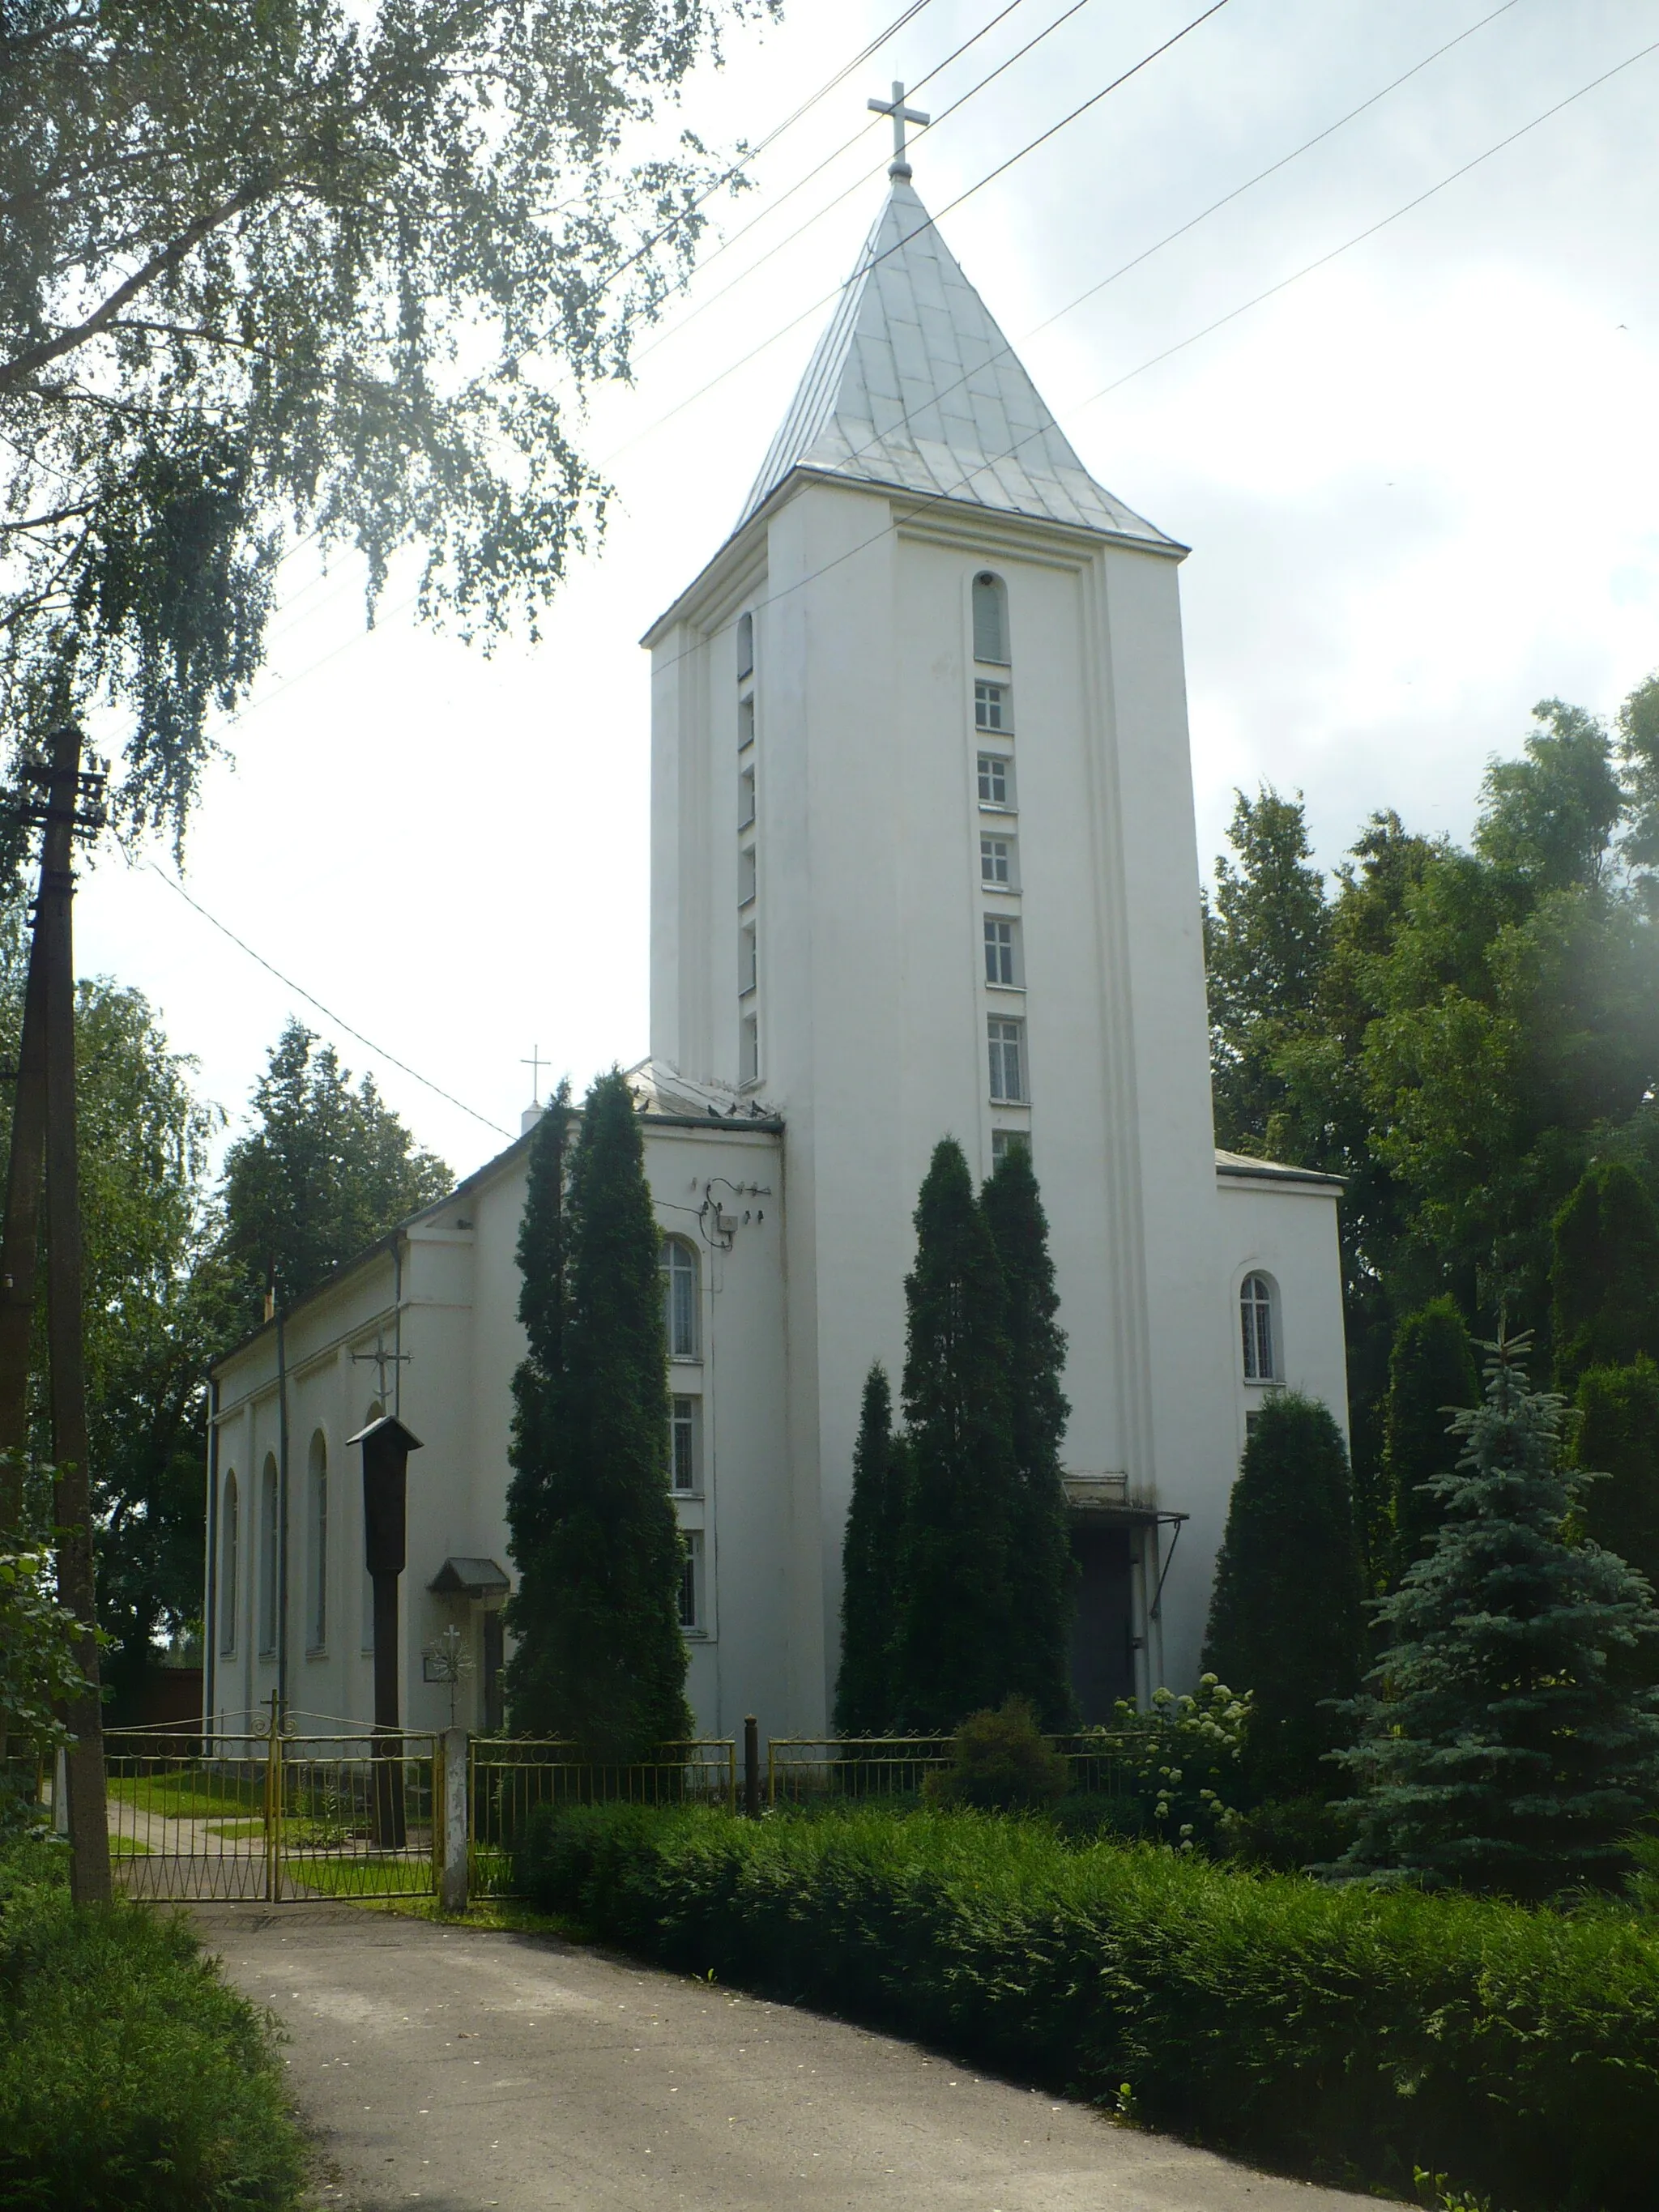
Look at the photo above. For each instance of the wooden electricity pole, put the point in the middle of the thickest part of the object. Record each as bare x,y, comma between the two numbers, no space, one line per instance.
20,1252
44,1122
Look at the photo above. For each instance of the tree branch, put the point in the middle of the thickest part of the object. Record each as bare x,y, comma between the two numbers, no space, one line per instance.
192,330
23,366
46,521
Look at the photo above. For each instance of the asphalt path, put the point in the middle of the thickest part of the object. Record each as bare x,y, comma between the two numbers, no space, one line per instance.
461,2069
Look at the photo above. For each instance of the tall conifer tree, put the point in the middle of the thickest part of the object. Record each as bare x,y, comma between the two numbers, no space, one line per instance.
955,1656
1604,1278
1285,1613
1499,1749
600,1658
1431,1372
1618,1437
1042,1573
867,1700
534,1490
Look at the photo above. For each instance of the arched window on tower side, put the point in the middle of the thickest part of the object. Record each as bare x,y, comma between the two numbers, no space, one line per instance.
230,1544
991,619
679,1280
317,1544
1258,1328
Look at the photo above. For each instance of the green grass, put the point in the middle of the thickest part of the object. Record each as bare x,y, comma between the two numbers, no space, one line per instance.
360,1877
233,1830
131,2079
1354,2036
186,1796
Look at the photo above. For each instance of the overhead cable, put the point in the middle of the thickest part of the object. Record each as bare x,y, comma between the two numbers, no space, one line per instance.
328,1014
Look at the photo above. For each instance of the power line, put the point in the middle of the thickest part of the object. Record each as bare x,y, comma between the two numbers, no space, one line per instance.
846,146
1272,169
328,1014
961,197
1322,261
906,15
1215,8
864,175
1152,360
1372,229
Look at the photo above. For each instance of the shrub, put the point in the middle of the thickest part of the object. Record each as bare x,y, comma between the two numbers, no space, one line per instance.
1351,2035
1183,1756
1430,1371
1290,1834
131,2079
1604,1277
1500,1750
1000,1764
1285,1613
1618,1439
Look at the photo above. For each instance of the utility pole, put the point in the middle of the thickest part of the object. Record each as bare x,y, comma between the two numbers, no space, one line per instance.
74,806
19,1251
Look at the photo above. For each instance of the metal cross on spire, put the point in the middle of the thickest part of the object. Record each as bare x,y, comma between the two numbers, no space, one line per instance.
535,1064
901,115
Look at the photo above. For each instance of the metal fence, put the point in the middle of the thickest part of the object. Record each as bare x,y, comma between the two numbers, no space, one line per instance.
273,1819
509,1778
817,1769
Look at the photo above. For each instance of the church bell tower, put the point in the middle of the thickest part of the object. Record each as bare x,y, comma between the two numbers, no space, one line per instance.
923,863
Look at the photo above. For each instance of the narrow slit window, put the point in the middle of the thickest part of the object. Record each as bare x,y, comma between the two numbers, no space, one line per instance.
991,710
748,957
691,1597
991,619
679,1275
746,798
684,1455
995,781
1001,951
745,724
747,874
229,1563
1255,1315
270,1543
1006,1040
317,1544
745,648
749,1050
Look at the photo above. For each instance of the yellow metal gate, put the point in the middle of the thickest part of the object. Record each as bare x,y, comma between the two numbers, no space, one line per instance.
275,1817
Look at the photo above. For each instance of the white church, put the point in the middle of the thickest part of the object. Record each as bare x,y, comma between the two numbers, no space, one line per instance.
923,863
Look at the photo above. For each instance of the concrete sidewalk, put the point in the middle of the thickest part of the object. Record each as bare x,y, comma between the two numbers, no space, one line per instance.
460,2070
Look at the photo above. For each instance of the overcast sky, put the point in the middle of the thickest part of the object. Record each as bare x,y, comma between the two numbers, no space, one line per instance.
1421,487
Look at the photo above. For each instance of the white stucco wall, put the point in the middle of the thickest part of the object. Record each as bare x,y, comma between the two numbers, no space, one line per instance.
457,1324
871,995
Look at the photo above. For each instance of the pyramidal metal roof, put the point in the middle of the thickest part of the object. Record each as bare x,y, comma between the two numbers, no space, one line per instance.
914,385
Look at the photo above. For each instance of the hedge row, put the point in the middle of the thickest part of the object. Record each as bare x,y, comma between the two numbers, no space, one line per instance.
131,2076
1352,2036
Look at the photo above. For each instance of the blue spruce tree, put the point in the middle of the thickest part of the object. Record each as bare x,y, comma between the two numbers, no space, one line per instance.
1499,1750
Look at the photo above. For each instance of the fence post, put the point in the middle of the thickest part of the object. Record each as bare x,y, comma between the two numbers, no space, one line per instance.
274,1805
450,1817
751,1766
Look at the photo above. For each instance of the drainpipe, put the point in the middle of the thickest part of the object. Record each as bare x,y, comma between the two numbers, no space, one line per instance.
397,1326
210,1613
